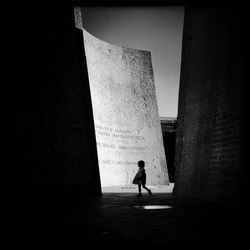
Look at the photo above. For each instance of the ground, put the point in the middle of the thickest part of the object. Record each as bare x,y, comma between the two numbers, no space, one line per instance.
134,189
113,220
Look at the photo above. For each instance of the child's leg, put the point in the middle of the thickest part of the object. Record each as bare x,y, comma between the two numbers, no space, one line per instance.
149,191
139,188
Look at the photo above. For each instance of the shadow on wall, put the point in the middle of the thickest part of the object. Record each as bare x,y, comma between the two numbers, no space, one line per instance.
169,145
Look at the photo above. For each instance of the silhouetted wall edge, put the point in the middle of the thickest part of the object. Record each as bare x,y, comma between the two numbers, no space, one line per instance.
51,146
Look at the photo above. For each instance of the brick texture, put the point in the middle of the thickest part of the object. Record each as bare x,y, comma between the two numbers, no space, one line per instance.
210,132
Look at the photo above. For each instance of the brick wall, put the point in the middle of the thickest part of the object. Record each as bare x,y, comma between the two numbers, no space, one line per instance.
226,143
210,131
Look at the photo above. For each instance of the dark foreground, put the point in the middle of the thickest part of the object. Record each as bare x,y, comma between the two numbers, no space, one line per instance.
112,221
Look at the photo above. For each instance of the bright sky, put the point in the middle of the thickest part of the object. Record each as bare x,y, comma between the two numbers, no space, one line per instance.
157,29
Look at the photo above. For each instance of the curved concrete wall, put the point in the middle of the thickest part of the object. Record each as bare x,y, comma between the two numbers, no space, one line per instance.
125,112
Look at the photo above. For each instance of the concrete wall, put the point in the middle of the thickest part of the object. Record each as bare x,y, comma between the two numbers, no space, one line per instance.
51,130
210,130
125,112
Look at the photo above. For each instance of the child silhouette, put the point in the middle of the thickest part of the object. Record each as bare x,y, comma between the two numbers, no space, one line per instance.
140,178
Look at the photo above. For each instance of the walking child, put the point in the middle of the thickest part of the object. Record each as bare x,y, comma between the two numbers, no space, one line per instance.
140,178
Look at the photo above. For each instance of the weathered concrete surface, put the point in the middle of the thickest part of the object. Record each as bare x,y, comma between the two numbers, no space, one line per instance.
125,112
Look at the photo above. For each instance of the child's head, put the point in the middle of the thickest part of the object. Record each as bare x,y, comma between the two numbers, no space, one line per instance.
141,164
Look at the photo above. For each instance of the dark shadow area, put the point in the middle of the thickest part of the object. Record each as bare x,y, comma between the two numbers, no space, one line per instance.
169,145
112,221
51,129
168,126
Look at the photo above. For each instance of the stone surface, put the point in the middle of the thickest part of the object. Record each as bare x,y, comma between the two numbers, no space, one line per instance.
125,112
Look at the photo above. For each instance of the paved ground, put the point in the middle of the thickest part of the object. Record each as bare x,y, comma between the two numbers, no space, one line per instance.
134,189
113,220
